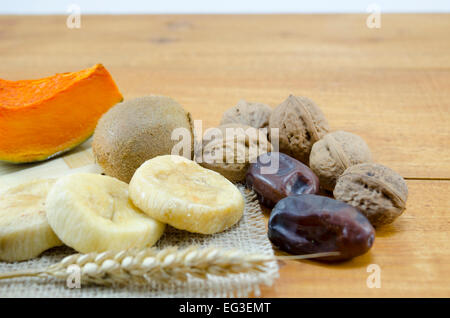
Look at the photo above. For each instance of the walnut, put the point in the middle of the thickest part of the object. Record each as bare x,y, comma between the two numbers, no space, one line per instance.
377,191
232,150
301,123
334,153
247,113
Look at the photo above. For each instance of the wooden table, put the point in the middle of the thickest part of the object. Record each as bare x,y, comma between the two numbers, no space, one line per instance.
389,85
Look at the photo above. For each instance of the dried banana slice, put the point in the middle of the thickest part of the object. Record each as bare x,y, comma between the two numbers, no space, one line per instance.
179,192
24,230
92,213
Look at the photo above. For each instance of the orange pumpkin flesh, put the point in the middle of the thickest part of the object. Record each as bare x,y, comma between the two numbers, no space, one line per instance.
42,118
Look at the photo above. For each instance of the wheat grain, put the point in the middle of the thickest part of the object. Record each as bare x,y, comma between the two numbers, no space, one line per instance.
146,265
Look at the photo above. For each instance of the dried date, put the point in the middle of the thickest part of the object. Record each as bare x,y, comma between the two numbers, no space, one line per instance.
306,224
275,176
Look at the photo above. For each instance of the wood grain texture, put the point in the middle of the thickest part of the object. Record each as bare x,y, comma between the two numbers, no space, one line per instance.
391,86
412,253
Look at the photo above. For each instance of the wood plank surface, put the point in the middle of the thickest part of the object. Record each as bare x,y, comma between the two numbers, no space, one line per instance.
412,254
389,85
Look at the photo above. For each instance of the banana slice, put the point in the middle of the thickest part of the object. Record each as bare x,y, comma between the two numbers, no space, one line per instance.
178,191
92,213
24,230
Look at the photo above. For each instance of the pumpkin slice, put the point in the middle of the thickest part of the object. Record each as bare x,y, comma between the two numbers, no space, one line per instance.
43,118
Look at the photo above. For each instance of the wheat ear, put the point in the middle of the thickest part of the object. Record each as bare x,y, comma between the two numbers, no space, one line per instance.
146,265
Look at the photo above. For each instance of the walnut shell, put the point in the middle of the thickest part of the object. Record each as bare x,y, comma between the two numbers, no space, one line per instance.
301,123
231,156
247,113
377,191
334,153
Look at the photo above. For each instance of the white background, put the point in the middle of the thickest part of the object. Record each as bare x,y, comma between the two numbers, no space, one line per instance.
219,6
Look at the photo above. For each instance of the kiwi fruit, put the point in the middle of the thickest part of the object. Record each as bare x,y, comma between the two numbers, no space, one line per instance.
137,130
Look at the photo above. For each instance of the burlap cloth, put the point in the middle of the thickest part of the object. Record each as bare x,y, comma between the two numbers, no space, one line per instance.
248,235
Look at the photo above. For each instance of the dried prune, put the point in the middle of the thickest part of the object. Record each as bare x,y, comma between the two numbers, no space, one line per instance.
275,176
306,224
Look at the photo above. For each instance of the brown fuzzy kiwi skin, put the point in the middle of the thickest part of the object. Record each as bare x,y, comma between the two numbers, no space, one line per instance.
135,131
334,153
377,191
233,171
247,113
297,132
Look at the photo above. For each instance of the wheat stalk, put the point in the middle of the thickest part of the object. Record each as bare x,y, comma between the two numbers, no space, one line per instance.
146,265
